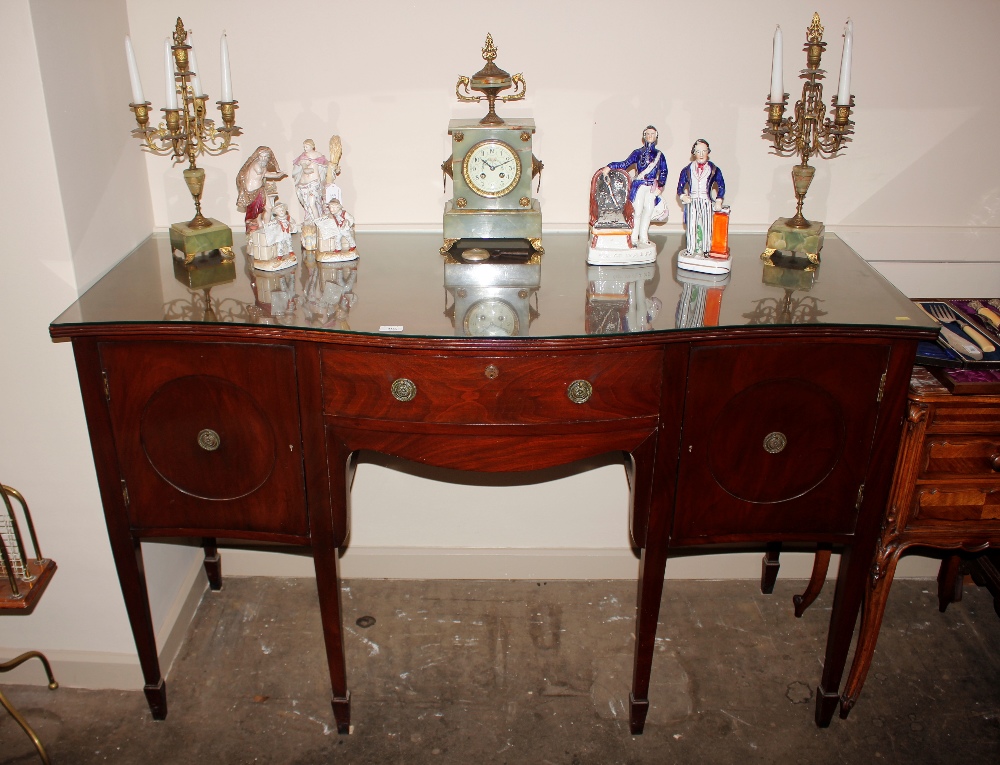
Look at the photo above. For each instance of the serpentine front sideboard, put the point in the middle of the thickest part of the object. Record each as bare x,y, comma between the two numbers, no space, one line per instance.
760,407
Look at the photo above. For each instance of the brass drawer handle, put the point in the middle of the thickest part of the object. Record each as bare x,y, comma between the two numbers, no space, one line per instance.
404,390
209,440
775,442
579,391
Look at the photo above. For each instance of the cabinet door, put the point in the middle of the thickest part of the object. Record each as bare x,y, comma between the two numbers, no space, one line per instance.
208,436
776,440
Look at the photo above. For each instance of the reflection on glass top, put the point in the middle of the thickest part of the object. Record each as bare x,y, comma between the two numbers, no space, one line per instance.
401,284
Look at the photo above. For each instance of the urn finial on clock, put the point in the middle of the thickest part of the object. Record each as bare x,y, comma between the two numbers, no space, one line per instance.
491,80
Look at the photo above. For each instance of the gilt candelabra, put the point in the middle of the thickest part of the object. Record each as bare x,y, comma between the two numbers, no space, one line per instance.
186,133
807,133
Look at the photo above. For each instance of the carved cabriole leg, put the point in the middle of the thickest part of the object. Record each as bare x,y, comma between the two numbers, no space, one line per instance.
821,565
876,595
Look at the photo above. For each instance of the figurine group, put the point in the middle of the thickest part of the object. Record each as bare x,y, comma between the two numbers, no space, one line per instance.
627,196
326,228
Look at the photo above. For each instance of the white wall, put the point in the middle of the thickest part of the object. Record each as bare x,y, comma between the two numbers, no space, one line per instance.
382,76
72,177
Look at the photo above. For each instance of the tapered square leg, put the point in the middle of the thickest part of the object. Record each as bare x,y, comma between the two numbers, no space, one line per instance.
637,710
156,697
826,705
342,713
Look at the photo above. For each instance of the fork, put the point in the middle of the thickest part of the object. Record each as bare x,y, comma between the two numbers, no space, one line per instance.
944,315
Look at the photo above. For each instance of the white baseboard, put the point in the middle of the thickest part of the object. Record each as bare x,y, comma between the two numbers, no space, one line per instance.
98,670
547,564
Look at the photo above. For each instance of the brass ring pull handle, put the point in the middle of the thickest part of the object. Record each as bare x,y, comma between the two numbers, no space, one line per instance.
404,390
579,391
775,442
995,462
209,440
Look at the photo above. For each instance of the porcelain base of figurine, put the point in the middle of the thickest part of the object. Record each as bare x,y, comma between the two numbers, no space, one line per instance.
704,263
187,242
786,238
338,256
276,264
613,250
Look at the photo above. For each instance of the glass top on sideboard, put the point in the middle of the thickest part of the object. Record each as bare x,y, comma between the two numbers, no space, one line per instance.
401,284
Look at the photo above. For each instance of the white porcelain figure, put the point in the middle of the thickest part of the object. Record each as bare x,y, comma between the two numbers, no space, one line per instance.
701,190
270,246
625,198
257,186
336,235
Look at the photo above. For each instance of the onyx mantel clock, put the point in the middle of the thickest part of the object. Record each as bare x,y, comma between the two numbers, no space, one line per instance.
491,165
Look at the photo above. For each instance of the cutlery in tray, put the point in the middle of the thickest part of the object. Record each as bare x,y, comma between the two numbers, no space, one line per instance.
966,356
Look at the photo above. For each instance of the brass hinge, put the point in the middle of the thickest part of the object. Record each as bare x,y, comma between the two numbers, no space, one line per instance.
107,387
125,492
881,387
861,496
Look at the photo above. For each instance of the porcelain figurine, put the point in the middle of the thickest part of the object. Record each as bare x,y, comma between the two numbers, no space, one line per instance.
626,197
257,186
309,174
270,246
701,190
336,235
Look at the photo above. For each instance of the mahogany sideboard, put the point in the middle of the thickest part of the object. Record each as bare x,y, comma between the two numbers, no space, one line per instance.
761,407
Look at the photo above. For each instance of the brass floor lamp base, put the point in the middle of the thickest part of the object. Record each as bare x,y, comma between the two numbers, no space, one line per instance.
18,718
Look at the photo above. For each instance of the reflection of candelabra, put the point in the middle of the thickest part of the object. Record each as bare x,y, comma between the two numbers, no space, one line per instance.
203,275
809,132
786,310
187,133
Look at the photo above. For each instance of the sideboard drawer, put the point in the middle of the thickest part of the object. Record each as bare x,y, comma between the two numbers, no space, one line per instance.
534,388
960,456
207,436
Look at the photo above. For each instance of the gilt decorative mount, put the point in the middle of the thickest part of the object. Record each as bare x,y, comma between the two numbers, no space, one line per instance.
491,80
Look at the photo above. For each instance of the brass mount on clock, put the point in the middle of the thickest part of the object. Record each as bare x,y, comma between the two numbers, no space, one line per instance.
491,80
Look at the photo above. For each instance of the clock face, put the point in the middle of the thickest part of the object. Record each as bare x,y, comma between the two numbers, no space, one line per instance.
491,168
491,318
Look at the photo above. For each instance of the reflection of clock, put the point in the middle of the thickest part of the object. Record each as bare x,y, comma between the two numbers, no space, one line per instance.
492,299
491,165
491,318
491,168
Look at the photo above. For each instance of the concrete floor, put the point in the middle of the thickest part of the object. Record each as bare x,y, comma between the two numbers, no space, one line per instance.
538,672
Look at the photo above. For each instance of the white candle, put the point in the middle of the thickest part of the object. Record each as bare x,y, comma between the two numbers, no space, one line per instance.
171,83
227,81
133,73
193,68
844,88
777,84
